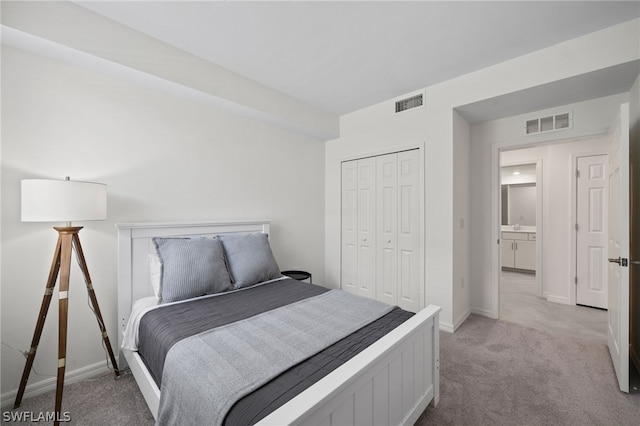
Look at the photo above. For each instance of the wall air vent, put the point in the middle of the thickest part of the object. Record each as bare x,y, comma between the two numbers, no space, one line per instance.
549,123
408,103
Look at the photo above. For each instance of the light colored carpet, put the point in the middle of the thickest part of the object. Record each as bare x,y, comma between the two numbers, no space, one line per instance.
499,373
101,401
491,373
520,303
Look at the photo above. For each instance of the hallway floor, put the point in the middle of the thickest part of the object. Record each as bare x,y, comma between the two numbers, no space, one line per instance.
520,304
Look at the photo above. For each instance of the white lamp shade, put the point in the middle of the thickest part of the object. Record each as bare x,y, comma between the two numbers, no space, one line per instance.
45,200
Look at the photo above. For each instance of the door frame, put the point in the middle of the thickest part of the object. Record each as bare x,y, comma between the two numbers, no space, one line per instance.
496,148
573,294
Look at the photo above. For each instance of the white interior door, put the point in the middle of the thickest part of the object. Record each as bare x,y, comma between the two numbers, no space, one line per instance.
618,247
591,233
410,289
366,280
349,255
387,222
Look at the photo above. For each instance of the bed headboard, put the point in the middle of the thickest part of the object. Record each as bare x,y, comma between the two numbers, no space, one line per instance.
135,245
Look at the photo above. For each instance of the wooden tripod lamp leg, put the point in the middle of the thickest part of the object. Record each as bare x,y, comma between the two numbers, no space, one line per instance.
94,302
63,305
44,308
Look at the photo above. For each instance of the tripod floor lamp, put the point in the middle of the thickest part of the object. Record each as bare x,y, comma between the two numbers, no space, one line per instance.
63,201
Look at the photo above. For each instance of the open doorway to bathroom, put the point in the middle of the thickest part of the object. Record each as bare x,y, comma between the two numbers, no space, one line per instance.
521,219
520,216
536,201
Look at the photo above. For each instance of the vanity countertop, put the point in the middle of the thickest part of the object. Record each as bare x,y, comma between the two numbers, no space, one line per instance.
522,228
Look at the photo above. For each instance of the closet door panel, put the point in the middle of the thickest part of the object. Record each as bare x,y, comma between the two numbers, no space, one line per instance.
409,286
381,229
349,257
387,230
366,280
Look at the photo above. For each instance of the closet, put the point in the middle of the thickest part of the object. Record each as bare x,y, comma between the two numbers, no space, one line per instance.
382,229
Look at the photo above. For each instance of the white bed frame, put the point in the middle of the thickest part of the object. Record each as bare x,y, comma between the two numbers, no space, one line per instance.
390,382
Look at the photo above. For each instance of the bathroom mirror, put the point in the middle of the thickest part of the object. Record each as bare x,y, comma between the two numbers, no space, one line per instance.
519,195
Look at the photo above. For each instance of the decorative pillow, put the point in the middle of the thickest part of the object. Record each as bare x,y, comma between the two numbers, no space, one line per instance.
249,258
191,267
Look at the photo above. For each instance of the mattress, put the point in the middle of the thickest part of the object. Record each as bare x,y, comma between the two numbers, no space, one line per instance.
161,328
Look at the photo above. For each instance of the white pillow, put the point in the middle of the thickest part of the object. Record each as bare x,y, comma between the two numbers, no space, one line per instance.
155,273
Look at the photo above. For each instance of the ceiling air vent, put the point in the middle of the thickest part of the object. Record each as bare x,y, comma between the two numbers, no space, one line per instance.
408,103
550,123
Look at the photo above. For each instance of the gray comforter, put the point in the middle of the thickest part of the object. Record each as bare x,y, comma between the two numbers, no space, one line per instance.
205,374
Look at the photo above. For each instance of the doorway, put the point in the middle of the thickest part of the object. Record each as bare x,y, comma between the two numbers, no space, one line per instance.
553,302
521,219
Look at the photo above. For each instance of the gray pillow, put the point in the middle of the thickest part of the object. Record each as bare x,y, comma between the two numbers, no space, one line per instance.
191,267
249,258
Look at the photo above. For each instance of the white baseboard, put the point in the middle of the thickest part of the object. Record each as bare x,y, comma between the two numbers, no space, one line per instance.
444,326
557,299
484,312
461,319
49,384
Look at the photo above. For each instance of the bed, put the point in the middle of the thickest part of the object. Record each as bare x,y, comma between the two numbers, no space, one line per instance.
389,382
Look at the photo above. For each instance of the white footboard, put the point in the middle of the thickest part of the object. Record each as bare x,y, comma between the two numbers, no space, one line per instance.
389,383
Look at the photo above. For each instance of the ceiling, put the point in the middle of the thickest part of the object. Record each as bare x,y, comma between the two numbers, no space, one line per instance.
527,170
343,56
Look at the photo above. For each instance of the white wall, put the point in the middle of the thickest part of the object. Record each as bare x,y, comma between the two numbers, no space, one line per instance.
163,158
377,128
63,29
461,178
557,151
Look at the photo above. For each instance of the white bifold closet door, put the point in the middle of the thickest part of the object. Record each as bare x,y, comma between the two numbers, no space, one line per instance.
359,227
349,232
366,247
381,244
